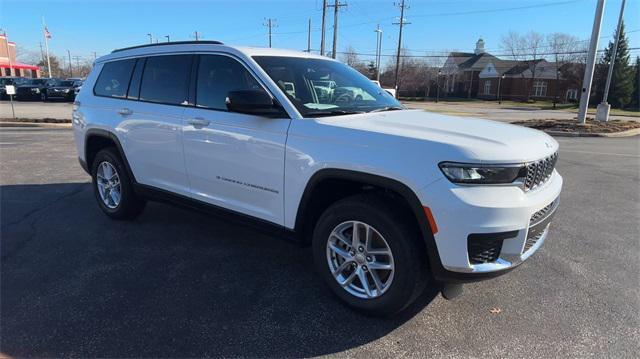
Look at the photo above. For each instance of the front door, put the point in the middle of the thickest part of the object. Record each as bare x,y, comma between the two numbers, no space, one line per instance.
233,160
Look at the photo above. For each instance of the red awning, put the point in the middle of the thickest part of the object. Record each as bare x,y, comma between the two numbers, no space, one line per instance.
19,65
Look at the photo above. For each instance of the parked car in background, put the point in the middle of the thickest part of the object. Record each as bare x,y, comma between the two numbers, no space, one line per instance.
4,81
76,89
33,89
61,90
391,92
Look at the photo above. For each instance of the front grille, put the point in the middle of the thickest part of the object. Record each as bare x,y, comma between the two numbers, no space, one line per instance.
531,241
538,172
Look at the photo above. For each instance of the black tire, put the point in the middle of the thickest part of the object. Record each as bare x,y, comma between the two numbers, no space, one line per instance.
409,256
130,205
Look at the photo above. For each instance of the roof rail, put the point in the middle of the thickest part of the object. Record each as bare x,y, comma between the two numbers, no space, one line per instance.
169,43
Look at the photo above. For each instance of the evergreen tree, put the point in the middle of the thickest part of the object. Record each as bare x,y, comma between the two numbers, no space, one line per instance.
635,99
621,87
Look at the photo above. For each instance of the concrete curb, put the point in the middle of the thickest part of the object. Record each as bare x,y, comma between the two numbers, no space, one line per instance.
34,124
627,133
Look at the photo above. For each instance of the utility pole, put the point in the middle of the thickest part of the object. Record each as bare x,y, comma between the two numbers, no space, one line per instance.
168,38
95,56
401,22
602,113
70,68
270,24
324,18
150,38
378,32
591,63
197,35
77,58
336,6
309,37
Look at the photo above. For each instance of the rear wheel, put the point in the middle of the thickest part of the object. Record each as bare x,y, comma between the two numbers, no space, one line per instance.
113,188
369,254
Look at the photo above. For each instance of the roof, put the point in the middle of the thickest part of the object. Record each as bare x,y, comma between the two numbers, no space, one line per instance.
521,66
189,46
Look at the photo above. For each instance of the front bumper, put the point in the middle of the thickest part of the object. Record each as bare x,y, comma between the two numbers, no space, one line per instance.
469,217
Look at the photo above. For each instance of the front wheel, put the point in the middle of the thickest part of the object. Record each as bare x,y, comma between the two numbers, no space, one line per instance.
370,255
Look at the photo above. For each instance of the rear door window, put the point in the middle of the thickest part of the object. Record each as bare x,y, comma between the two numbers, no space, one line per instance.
165,79
114,78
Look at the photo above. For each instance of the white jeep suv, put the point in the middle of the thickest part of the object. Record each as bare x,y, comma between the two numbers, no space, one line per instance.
392,200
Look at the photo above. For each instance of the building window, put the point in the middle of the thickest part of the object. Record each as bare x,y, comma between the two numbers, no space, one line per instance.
572,94
539,89
487,87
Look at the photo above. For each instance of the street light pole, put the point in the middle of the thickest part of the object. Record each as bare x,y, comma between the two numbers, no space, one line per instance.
378,32
168,38
591,63
602,113
150,38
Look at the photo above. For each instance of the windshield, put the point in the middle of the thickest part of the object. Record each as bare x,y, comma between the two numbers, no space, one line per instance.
325,87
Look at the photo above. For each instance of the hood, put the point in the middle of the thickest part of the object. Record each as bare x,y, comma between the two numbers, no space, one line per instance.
60,88
483,140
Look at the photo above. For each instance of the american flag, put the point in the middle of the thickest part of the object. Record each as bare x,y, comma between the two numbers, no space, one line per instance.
47,34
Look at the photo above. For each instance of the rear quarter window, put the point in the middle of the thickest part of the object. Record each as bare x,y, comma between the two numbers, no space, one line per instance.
114,78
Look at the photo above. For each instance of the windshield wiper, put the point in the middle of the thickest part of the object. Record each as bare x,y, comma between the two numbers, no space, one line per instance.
387,108
332,113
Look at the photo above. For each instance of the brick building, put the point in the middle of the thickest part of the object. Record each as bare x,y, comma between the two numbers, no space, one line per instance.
482,75
9,66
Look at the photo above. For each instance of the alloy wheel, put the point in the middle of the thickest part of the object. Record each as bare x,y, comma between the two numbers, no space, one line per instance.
360,259
108,183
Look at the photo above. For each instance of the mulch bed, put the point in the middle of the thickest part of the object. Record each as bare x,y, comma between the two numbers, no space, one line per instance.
591,126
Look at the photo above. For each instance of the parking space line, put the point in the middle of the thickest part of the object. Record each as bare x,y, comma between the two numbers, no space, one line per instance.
602,153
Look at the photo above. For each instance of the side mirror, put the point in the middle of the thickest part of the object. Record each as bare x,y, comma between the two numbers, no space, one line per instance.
252,102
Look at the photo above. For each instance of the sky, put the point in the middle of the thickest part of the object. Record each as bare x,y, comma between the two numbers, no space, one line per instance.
436,26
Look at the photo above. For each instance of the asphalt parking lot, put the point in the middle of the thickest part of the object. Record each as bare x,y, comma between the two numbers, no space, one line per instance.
176,283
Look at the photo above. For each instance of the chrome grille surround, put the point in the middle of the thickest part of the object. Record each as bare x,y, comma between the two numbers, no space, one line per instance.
538,172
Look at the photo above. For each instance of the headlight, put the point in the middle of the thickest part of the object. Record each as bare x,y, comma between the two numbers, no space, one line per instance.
481,173
66,91
35,89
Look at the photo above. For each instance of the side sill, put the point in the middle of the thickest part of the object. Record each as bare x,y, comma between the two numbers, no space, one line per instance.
160,195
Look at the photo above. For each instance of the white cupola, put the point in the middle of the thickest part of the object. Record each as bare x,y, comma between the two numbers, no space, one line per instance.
479,47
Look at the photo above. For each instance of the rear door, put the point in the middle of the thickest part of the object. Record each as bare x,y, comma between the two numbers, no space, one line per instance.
233,160
152,121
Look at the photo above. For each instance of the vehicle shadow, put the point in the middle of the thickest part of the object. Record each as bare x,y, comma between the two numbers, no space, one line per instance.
172,283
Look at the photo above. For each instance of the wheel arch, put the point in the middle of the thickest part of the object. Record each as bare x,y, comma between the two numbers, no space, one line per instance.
328,185
97,139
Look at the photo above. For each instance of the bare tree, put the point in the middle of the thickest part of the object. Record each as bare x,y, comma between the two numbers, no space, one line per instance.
528,50
350,57
568,53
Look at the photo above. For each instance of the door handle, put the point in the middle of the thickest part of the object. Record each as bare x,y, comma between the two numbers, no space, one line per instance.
125,112
198,122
